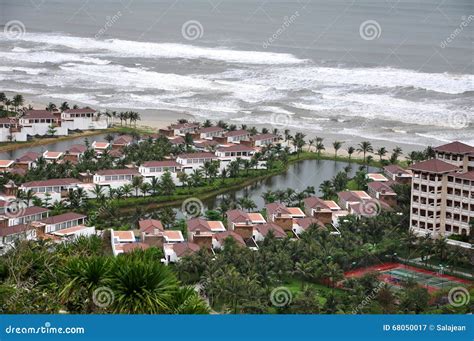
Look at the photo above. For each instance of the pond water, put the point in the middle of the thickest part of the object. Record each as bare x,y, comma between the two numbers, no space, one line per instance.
59,146
298,176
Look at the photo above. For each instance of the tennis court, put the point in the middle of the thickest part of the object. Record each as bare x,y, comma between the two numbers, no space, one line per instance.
396,274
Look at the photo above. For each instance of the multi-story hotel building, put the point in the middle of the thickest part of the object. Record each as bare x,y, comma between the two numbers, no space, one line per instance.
443,192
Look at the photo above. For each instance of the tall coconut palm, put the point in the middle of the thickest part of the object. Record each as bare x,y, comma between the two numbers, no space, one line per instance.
336,145
381,152
365,147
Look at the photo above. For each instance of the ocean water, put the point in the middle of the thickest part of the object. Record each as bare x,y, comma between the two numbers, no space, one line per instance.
399,71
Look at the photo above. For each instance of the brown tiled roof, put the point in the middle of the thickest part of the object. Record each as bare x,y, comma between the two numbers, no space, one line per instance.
37,114
197,156
464,176
149,225
177,140
395,169
264,229
123,139
61,218
236,133
8,120
198,224
32,210
379,186
348,196
276,207
77,149
6,163
9,230
52,182
123,171
210,129
224,235
237,216
236,148
455,147
165,163
306,222
313,202
184,249
28,157
434,166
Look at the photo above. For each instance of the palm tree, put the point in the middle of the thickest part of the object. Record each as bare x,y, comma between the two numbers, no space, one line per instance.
64,106
98,191
141,286
365,147
381,152
319,145
350,151
17,101
327,189
396,152
137,181
336,145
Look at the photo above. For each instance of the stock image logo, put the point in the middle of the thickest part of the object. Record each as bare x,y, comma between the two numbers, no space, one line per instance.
281,120
370,30
15,209
281,297
103,297
192,30
192,208
458,296
370,208
14,29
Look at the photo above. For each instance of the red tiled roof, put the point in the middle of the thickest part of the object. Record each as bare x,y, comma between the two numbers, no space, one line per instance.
8,120
62,218
276,207
455,147
123,139
77,149
395,169
210,129
52,182
236,133
349,196
224,235
237,216
165,163
80,111
184,249
149,225
15,229
236,148
28,157
464,176
264,229
124,171
37,114
314,202
434,166
306,222
379,186
197,156
198,224
32,210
